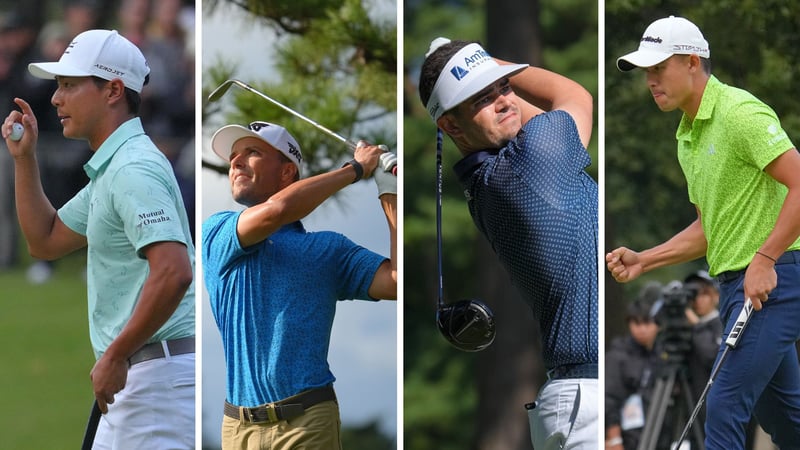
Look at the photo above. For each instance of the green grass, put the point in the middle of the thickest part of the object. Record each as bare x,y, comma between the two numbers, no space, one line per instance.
45,357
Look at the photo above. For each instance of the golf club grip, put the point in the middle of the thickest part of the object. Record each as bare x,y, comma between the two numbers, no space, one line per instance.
353,146
91,427
741,323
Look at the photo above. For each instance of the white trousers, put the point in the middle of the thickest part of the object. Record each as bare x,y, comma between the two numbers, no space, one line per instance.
155,410
565,415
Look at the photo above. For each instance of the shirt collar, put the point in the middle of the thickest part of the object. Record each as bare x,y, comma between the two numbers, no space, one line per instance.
108,149
710,95
468,164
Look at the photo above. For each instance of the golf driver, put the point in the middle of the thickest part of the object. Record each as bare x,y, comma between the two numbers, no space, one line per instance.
223,88
467,324
730,343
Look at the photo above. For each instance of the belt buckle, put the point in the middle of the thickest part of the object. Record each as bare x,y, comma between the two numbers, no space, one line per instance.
252,414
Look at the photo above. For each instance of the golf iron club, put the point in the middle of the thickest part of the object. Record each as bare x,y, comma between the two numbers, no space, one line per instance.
223,88
467,324
730,343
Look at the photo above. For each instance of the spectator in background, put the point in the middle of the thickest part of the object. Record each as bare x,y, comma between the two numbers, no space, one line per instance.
60,160
164,37
18,30
706,332
631,363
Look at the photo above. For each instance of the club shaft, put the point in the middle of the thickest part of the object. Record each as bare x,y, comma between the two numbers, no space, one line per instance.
730,343
223,88
439,214
91,427
216,95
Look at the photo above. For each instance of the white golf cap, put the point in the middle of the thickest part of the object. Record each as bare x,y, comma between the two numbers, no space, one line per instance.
467,72
664,38
100,53
275,135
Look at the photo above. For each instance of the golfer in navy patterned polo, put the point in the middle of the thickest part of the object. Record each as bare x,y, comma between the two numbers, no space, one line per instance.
273,286
528,193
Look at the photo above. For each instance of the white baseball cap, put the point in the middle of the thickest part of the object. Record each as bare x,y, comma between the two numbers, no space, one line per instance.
100,53
467,72
664,38
275,135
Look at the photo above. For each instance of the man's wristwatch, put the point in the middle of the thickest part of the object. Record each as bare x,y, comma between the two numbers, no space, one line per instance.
358,168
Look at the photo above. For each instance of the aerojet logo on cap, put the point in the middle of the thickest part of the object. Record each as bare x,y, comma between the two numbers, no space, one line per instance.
110,70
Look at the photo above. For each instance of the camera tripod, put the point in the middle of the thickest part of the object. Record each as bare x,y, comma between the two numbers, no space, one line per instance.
677,397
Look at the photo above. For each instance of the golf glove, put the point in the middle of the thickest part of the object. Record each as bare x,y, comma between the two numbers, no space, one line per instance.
386,181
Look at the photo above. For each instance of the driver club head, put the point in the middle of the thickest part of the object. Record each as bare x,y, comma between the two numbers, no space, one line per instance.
467,324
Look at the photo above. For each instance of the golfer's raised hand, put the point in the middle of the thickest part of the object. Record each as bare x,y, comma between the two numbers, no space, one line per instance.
109,376
368,156
27,145
384,178
624,264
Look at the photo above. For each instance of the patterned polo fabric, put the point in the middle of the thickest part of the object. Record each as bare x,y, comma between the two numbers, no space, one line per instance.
735,134
132,200
274,304
537,206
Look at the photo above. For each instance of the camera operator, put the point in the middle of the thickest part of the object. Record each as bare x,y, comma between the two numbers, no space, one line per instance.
631,363
703,315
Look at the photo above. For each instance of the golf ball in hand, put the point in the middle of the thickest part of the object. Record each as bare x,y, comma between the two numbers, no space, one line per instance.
16,131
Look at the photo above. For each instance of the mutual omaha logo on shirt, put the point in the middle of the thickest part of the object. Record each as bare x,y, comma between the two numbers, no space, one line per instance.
152,217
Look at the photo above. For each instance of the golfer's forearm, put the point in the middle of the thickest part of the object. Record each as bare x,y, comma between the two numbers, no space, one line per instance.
685,246
549,90
35,212
787,226
292,203
389,204
161,294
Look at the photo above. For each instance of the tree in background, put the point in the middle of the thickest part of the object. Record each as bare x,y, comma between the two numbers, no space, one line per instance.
333,61
754,46
454,400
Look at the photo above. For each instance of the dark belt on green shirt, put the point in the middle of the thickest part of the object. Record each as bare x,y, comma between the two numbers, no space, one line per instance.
285,409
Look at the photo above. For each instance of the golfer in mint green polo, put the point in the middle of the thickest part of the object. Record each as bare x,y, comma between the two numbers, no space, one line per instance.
742,174
131,218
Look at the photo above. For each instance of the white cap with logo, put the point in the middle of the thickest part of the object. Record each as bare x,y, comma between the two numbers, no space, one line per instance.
275,135
664,38
100,53
467,72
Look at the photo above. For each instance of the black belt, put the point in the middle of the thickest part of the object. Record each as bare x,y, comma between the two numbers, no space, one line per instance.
790,257
285,409
156,350
568,371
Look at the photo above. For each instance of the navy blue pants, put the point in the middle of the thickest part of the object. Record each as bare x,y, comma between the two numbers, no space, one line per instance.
761,375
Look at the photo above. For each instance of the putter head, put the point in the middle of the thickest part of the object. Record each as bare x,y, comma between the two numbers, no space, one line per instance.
467,324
